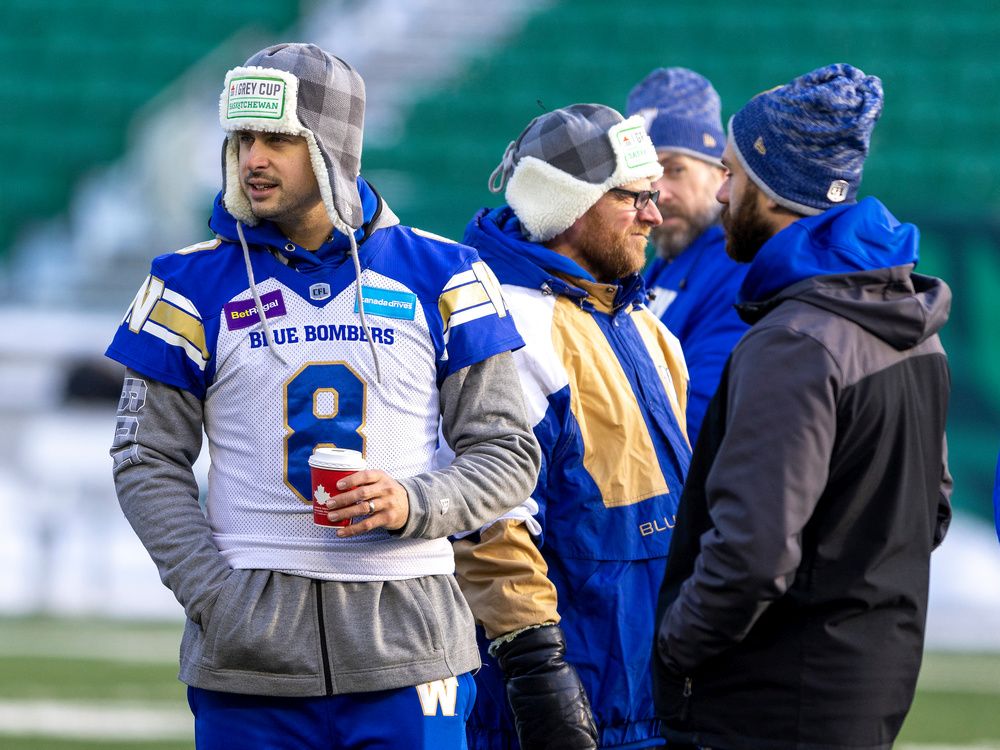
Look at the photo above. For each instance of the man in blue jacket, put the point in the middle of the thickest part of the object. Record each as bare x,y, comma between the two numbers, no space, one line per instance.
692,282
560,586
793,609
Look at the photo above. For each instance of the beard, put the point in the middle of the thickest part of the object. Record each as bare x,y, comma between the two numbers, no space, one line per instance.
672,241
287,205
746,229
611,254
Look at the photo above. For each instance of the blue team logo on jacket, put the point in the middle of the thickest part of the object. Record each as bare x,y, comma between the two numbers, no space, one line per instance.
388,303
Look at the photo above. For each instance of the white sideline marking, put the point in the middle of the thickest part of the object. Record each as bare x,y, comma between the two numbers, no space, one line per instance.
978,746
103,721
68,639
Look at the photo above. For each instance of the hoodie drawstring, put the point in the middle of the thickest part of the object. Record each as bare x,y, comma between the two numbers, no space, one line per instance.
361,305
263,318
256,297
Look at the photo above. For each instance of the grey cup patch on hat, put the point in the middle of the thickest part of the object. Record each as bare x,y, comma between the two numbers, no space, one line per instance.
301,90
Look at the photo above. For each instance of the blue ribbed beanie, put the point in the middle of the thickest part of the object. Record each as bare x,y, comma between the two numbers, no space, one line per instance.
682,112
804,144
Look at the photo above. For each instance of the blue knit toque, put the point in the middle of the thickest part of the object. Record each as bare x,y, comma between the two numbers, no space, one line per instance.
805,143
682,112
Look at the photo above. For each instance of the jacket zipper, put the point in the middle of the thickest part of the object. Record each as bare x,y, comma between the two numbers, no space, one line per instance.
327,677
686,693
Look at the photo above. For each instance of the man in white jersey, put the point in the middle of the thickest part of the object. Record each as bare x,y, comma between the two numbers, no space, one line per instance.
314,319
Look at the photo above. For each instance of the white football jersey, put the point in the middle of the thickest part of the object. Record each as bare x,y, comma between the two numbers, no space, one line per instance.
432,308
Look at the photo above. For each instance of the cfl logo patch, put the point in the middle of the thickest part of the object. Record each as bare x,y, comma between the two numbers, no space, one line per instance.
319,291
838,191
441,694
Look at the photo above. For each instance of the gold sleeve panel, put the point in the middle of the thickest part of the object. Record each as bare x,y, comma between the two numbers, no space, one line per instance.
182,323
606,411
504,579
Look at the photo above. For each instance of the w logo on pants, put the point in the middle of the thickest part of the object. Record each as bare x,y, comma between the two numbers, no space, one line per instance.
443,693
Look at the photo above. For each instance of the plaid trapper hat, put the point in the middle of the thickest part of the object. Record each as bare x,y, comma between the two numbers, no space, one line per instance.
301,90
565,160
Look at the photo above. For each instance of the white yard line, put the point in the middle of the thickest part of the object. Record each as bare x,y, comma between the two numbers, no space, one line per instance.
106,641
95,721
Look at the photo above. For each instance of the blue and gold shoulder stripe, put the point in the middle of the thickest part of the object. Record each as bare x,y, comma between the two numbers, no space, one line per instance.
470,295
169,317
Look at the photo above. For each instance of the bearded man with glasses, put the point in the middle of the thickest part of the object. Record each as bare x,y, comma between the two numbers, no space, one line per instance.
561,586
692,282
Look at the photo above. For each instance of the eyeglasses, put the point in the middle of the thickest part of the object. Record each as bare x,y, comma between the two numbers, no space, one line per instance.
640,198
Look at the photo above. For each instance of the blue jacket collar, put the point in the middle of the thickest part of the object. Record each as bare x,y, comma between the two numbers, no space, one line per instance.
858,237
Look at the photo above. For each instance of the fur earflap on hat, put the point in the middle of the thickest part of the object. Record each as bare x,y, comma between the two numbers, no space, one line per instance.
805,143
565,160
301,90
682,111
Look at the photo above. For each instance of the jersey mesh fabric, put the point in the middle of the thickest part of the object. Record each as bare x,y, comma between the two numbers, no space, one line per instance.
435,308
262,515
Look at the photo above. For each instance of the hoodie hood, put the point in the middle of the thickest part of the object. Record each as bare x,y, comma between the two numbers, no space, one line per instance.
503,243
855,261
328,256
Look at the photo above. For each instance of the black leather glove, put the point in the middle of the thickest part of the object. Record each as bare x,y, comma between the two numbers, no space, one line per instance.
550,706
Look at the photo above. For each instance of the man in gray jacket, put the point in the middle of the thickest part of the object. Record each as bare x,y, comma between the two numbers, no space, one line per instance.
793,607
313,319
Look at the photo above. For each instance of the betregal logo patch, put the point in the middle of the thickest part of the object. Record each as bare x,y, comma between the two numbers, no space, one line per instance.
243,314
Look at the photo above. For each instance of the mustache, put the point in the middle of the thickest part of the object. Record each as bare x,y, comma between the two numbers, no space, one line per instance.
258,174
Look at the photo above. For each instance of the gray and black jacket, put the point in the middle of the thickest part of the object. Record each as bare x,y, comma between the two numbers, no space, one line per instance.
793,608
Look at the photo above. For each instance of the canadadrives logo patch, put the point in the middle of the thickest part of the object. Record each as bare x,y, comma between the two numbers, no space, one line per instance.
243,314
256,97
388,303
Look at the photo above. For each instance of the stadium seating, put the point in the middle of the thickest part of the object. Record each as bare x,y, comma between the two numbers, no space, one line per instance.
932,151
75,71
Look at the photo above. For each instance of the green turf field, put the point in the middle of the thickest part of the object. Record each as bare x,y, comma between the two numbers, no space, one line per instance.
91,685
